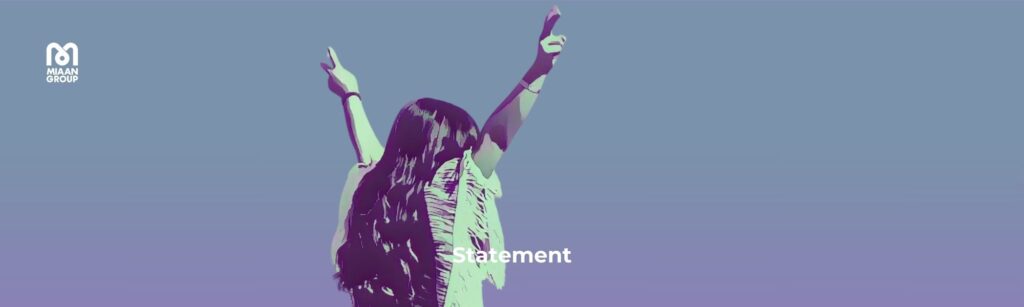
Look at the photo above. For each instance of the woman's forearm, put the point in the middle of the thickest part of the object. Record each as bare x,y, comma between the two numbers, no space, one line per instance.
509,116
505,122
364,140
344,84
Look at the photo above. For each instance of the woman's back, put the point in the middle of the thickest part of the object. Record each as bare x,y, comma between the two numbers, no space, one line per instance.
415,267
460,203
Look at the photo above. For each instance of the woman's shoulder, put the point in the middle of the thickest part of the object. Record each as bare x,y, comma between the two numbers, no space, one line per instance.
476,176
355,175
451,172
358,170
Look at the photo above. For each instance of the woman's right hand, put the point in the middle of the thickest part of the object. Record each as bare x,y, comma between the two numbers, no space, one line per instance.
339,80
548,47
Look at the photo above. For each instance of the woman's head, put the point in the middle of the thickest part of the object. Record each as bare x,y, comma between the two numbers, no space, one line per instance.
389,241
429,132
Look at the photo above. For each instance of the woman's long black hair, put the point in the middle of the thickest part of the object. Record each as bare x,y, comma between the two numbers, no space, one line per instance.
389,247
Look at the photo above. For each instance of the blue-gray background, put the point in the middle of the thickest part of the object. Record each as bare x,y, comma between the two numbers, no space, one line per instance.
691,154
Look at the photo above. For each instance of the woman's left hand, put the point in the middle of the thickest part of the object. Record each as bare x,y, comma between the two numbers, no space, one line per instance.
339,80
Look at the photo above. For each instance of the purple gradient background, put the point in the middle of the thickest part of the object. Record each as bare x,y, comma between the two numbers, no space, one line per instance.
690,154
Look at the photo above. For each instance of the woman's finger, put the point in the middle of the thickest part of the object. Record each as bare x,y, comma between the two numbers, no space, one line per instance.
555,40
333,56
553,44
553,48
550,20
326,67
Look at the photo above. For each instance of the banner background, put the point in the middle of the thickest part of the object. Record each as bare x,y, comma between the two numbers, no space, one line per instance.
689,154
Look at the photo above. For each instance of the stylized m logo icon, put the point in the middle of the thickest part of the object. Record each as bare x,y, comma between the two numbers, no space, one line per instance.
62,57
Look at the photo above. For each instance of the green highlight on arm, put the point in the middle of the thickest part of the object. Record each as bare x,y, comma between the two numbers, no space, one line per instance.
364,139
504,123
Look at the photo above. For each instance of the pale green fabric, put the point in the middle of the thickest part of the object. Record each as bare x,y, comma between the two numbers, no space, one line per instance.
461,206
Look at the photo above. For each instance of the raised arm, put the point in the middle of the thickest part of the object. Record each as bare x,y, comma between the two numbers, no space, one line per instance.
343,83
506,120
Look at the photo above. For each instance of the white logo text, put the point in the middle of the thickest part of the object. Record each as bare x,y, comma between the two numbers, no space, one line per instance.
62,56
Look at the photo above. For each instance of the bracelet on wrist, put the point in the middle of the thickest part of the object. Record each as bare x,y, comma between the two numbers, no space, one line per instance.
526,86
344,98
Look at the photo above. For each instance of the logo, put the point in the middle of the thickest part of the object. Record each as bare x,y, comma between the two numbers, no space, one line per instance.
58,59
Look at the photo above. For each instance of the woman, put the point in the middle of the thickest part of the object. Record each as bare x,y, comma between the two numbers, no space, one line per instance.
407,205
